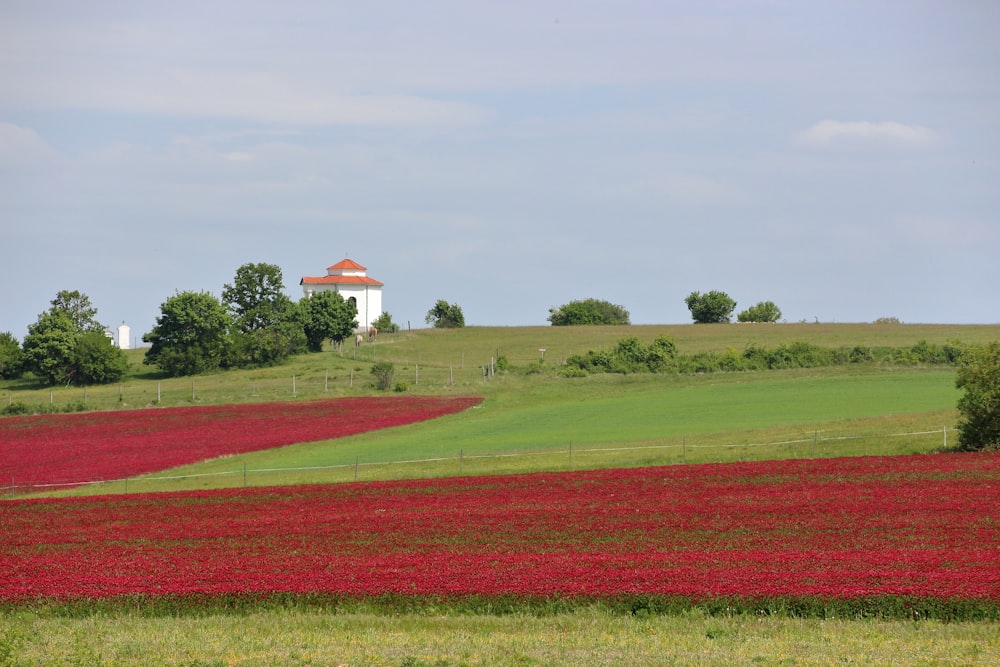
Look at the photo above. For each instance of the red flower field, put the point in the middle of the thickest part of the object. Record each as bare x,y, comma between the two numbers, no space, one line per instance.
921,526
53,449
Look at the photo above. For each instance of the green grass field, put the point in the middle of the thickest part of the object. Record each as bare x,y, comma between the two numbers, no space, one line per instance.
535,421
587,637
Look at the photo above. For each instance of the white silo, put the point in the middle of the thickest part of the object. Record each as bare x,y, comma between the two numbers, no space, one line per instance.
123,336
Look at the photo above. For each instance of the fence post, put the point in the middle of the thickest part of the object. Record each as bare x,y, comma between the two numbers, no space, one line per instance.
815,435
293,385
356,458
945,432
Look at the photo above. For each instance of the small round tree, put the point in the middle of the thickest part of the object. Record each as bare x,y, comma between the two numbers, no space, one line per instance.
710,308
765,311
445,316
979,376
588,311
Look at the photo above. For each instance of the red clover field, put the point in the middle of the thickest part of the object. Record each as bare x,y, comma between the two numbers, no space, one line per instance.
898,535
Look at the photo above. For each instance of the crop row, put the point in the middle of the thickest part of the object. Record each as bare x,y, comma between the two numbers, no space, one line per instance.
921,526
109,445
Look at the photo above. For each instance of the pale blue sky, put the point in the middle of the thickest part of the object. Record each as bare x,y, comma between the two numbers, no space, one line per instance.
841,159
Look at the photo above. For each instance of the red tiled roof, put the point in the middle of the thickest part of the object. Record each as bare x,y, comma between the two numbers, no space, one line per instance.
346,265
339,280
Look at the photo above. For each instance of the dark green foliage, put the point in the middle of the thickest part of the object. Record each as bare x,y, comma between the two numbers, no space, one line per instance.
765,311
385,324
77,307
713,307
66,345
327,316
191,335
21,408
445,316
383,371
629,355
660,356
49,346
588,311
98,360
979,376
267,328
11,357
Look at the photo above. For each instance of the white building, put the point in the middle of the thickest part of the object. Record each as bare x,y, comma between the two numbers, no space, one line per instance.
124,333
351,280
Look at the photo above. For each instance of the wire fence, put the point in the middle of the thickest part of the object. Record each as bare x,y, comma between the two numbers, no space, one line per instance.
570,457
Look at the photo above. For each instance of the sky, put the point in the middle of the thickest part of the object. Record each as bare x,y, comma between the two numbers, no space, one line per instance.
839,158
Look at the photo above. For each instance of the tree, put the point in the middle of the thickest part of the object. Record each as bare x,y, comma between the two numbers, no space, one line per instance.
765,311
267,328
385,324
78,308
710,308
98,360
445,316
191,335
327,316
66,345
588,311
979,376
11,356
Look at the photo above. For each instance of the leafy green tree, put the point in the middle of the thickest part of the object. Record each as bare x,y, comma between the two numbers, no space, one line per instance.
62,346
385,324
267,324
48,347
327,316
445,316
11,357
979,407
710,308
98,360
191,335
78,308
588,311
765,311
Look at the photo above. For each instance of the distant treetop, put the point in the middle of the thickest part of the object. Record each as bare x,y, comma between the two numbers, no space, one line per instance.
588,311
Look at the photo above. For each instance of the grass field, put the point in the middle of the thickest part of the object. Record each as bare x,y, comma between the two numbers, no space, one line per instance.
552,423
587,637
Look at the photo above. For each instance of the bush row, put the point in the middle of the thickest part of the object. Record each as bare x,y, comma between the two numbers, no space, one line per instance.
630,355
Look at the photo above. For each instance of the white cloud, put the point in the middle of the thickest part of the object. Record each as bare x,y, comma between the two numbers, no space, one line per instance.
835,133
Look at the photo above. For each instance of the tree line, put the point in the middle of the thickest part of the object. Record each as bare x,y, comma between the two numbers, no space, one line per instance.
256,324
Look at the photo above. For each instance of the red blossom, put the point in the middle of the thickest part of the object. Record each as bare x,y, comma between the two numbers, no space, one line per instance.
921,525
52,449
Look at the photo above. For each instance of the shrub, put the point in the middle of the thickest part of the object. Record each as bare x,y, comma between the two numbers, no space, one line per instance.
383,372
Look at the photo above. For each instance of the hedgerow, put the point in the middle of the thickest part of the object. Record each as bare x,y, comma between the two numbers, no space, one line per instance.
630,355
